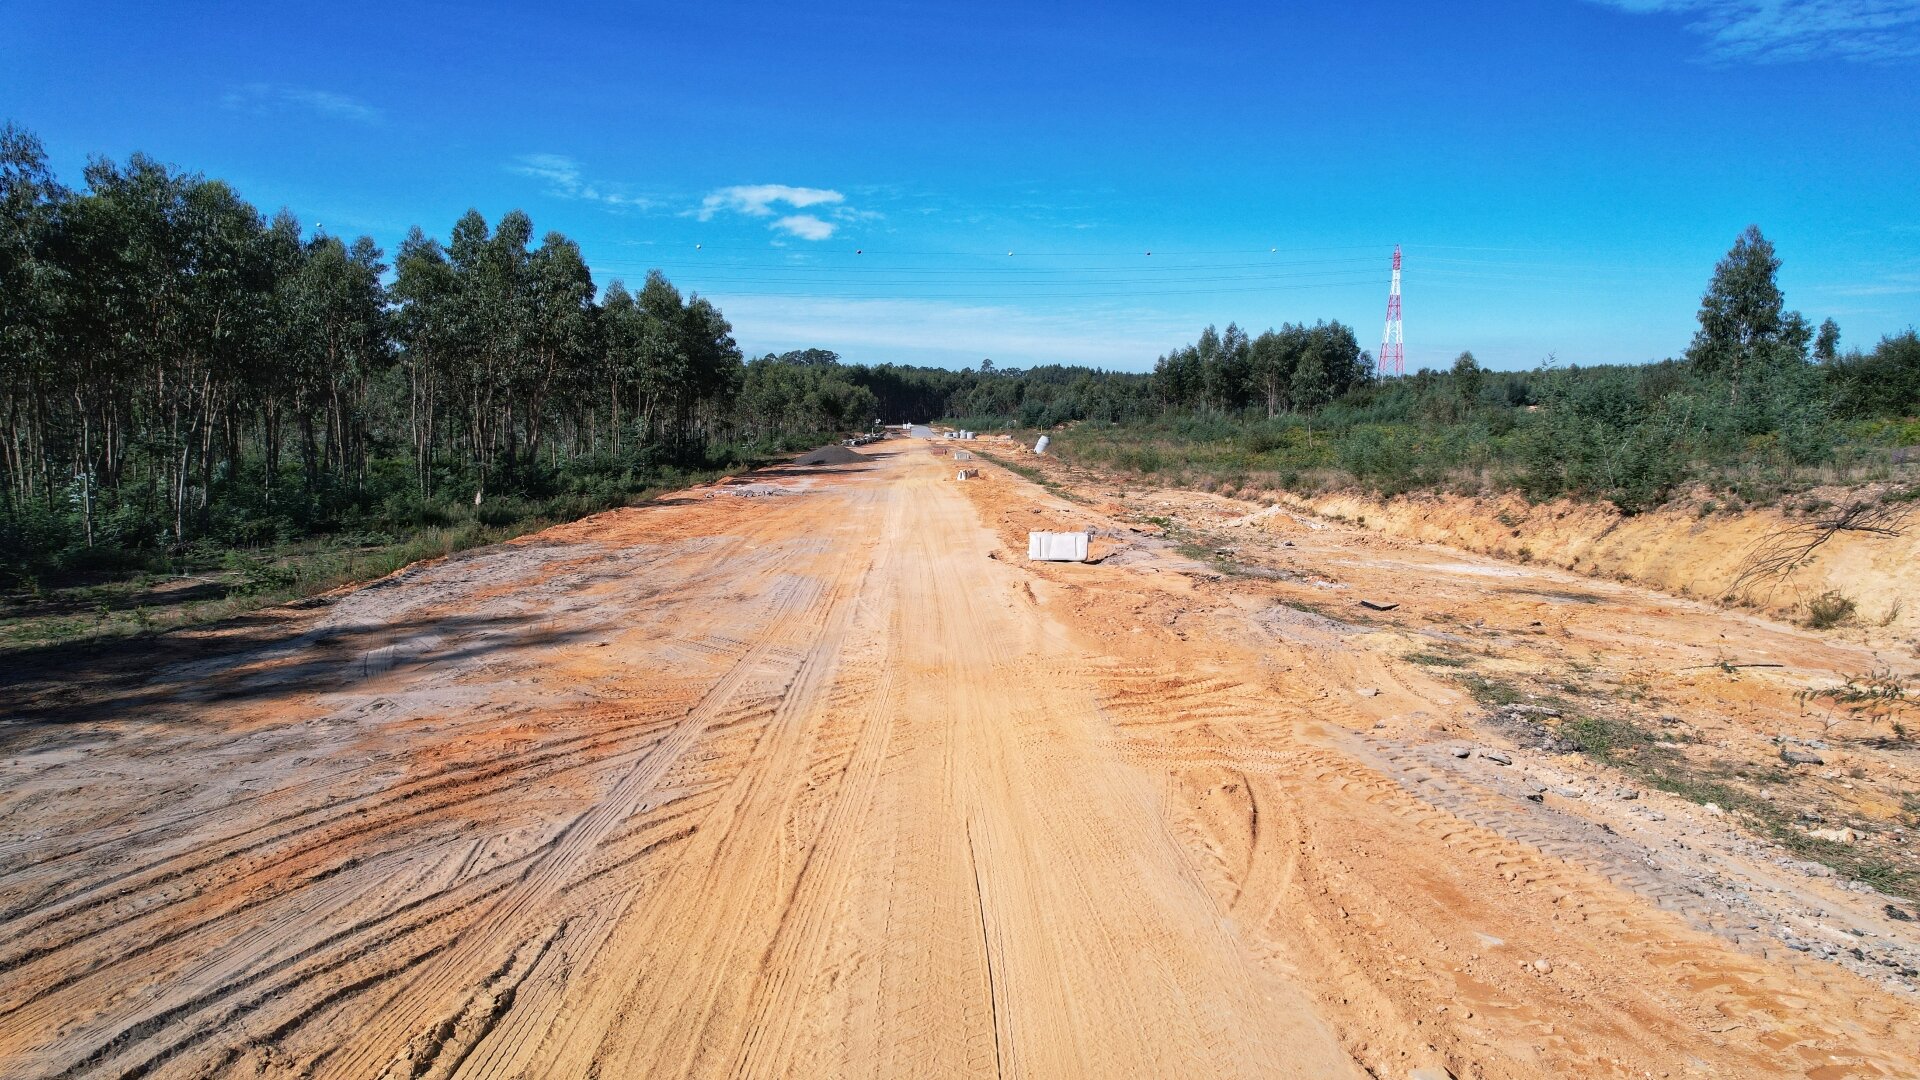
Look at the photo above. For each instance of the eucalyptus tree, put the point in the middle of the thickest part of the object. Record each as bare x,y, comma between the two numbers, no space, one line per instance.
337,340
426,323
1228,374
689,365
489,331
1271,359
561,338
30,200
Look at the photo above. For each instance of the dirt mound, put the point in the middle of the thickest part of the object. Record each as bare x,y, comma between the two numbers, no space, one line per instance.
831,455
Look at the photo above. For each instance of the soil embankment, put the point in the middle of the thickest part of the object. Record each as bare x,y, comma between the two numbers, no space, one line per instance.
1684,550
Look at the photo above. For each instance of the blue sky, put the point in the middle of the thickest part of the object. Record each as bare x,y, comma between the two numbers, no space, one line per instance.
1562,173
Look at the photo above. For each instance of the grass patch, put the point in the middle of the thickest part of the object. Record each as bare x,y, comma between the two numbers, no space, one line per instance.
1309,607
1612,741
1492,693
221,585
1428,659
1636,751
1029,473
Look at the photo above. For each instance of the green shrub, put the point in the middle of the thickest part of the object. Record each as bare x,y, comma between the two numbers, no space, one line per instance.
1829,609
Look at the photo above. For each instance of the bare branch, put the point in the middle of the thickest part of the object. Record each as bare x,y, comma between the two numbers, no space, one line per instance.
1774,557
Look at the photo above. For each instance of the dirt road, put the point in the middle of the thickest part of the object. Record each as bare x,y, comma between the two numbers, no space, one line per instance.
812,776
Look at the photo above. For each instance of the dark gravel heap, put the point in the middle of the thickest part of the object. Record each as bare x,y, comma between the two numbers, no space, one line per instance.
831,455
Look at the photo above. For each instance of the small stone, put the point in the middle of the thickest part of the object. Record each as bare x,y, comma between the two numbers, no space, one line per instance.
1569,792
1369,691
1462,751
1498,757
1655,815
1800,757
1431,1072
1834,836
1542,965
1536,797
1713,809
1897,915
1626,793
1796,944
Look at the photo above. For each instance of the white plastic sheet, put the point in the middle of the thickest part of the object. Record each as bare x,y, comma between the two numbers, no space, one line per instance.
1057,546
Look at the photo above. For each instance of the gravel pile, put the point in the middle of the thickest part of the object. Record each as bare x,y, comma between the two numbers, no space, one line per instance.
831,455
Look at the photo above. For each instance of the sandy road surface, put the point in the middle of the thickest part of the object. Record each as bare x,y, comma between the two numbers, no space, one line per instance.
827,782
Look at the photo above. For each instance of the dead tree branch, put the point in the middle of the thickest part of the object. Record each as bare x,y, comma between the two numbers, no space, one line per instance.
1774,557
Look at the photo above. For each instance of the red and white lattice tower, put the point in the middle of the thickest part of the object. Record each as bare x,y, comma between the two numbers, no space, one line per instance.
1393,349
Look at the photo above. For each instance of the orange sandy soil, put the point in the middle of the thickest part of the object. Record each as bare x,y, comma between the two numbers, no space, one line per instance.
831,782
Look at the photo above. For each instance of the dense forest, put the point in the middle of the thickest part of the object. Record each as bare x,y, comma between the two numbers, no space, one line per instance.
179,371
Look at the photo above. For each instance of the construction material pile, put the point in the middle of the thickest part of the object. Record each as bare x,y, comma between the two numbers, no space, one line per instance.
831,455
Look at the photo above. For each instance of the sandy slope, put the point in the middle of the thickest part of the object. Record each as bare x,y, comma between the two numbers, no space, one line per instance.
1678,549
827,782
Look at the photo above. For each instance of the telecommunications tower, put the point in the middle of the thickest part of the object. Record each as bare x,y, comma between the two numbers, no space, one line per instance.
1393,356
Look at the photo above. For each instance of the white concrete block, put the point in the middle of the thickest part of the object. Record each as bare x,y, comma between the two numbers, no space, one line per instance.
1057,546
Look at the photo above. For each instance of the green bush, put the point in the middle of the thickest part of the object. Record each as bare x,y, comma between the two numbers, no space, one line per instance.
1829,609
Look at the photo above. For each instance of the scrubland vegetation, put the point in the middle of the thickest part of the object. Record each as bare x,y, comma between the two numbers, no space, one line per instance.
1760,405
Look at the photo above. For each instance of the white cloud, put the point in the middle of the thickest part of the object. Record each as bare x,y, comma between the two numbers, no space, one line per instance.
805,226
1889,285
1783,31
948,333
262,99
565,179
756,200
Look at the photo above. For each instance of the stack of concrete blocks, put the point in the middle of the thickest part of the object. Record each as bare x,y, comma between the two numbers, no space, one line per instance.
1057,546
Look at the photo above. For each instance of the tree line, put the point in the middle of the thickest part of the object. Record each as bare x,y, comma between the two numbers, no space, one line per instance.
177,368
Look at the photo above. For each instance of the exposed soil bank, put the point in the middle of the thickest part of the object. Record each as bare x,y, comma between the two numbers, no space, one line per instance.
1679,550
